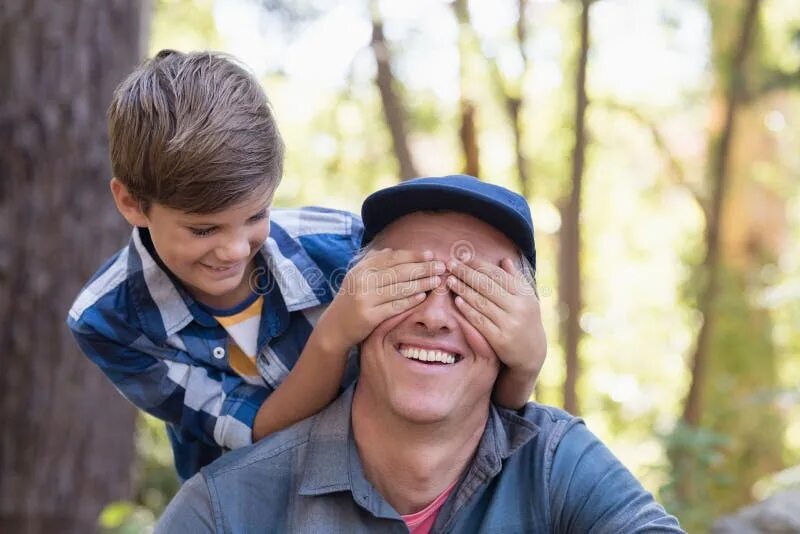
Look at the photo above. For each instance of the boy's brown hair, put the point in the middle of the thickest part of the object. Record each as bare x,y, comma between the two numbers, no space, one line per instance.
193,132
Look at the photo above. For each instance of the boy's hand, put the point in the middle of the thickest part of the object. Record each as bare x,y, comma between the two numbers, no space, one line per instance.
385,283
503,307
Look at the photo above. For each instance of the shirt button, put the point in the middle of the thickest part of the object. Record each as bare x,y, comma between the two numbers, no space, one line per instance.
219,353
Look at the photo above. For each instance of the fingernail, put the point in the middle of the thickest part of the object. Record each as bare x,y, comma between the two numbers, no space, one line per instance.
452,264
439,267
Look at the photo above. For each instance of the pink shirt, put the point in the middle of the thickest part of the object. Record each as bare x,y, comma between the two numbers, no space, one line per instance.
421,522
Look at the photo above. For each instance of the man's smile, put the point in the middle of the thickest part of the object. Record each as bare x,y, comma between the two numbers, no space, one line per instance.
428,354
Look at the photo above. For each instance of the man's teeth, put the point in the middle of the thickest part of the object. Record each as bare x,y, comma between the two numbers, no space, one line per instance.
424,355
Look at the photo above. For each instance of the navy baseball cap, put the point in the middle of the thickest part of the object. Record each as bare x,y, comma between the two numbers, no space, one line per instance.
497,206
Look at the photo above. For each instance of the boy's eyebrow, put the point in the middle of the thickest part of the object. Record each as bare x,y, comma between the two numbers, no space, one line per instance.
261,211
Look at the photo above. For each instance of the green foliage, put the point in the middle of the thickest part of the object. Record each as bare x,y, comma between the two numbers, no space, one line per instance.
155,482
124,517
697,467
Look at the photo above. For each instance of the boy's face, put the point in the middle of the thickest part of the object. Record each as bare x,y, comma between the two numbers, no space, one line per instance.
212,254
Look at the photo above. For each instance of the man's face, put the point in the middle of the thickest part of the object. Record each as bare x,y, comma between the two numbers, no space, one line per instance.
433,391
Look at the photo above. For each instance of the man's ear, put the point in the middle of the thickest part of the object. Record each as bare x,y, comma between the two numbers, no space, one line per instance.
129,207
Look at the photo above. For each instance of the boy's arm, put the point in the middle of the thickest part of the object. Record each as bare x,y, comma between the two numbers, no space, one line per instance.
503,306
514,387
383,284
309,387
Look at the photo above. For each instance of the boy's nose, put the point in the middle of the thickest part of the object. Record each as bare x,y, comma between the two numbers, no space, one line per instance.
234,250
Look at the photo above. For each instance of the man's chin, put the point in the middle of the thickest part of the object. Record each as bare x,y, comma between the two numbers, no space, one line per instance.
422,411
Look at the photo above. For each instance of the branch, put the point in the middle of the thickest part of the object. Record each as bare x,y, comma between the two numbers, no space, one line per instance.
776,80
393,109
676,167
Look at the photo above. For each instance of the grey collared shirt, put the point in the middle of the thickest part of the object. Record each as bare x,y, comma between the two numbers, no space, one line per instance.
541,471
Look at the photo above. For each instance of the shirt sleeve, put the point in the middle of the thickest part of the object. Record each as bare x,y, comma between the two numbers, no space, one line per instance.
190,510
356,232
216,408
591,491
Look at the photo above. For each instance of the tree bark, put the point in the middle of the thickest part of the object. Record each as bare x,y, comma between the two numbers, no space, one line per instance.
514,103
570,238
67,442
393,108
468,133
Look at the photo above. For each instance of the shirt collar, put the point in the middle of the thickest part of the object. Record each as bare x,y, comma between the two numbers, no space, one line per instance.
333,465
169,297
328,457
285,266
301,282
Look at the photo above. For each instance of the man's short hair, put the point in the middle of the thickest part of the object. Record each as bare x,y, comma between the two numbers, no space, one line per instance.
194,132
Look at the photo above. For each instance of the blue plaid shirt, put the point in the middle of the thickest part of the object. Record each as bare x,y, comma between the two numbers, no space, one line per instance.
167,355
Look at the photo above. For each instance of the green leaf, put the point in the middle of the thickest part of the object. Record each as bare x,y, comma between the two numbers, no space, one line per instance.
115,513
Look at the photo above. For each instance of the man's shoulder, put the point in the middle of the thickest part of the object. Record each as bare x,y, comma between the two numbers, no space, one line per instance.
273,453
537,429
314,220
545,416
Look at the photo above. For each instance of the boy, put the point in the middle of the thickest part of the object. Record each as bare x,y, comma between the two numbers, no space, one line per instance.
199,320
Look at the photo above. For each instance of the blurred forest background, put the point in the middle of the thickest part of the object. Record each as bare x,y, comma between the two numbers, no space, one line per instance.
658,142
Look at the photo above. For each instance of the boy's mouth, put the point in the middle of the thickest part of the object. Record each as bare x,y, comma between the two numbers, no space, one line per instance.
223,269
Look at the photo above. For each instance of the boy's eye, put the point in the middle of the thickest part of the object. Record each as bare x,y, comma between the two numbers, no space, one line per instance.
202,232
260,216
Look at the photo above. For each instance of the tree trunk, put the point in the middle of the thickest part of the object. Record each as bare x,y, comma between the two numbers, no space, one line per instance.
743,233
718,173
469,139
393,108
67,443
509,91
468,134
514,104
570,257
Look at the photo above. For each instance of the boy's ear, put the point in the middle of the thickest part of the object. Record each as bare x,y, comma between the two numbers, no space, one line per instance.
129,207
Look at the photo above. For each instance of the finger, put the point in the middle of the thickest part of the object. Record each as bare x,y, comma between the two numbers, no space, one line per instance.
519,283
475,299
406,289
482,324
409,271
389,257
496,272
480,282
395,307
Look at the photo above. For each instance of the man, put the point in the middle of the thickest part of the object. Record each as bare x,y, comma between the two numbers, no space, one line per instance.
417,443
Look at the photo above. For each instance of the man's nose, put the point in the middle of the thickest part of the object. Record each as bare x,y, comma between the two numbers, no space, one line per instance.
437,313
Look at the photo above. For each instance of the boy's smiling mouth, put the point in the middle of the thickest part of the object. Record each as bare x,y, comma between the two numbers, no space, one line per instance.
222,270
